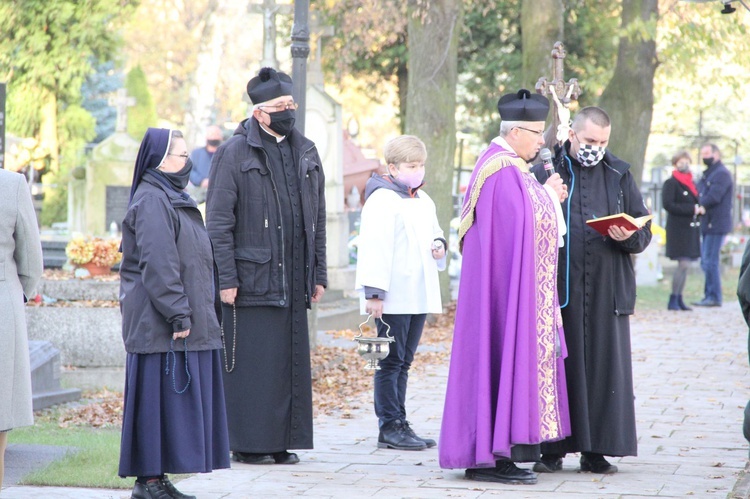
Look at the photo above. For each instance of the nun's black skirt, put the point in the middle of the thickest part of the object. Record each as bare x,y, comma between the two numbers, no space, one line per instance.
168,432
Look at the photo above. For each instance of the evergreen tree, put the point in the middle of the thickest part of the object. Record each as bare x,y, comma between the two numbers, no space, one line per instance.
143,114
96,91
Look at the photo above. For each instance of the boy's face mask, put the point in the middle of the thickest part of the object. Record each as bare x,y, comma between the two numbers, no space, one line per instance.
412,177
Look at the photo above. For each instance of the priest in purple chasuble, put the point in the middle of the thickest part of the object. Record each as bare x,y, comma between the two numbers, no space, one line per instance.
506,385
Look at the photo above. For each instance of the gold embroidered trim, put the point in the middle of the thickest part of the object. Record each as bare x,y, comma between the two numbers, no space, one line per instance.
492,165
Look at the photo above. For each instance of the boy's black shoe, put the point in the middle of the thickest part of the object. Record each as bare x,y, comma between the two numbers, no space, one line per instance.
548,464
393,435
176,494
427,441
595,463
153,489
504,472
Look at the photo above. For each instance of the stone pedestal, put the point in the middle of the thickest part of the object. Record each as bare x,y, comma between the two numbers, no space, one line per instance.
45,376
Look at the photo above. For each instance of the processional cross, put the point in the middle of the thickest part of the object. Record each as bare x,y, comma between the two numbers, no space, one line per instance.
269,9
121,101
562,94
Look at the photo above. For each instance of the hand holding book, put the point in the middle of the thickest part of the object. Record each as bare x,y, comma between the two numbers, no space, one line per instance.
623,220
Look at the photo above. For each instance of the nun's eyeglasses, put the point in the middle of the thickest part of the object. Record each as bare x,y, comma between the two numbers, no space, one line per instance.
183,156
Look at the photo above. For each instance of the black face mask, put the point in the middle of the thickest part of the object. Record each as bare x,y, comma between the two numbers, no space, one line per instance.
213,142
179,179
282,122
708,161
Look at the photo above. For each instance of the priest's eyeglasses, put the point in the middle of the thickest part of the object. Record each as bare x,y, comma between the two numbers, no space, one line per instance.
538,133
280,107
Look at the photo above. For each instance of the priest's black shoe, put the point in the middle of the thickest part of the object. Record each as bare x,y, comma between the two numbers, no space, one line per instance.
285,457
153,489
503,472
595,463
253,458
173,492
394,435
705,302
548,464
430,443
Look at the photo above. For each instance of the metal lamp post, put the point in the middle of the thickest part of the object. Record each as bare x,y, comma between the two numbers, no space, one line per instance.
300,51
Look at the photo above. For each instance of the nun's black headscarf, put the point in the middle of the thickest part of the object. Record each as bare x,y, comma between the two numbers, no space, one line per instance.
154,149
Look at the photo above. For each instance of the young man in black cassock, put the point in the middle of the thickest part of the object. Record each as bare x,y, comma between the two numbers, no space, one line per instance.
596,285
266,217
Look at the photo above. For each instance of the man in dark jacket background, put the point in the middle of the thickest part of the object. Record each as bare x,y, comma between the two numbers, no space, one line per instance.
715,194
596,285
266,217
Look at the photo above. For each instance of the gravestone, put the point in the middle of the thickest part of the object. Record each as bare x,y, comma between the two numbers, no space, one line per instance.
99,190
45,377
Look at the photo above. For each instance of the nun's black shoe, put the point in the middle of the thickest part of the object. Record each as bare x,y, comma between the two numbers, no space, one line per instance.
285,457
176,494
153,489
503,472
595,463
253,458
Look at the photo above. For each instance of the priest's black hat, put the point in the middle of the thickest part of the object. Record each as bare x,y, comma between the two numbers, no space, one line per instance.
268,85
523,106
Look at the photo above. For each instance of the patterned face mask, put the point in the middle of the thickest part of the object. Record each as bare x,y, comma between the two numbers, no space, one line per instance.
589,155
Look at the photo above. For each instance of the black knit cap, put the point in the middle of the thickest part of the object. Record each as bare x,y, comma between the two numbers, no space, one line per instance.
269,84
523,106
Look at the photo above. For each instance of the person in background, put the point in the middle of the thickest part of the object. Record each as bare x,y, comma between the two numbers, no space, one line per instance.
401,248
174,417
506,384
680,200
21,263
201,158
266,215
715,194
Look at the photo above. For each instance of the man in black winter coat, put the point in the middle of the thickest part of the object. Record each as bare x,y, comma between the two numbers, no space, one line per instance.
266,217
596,285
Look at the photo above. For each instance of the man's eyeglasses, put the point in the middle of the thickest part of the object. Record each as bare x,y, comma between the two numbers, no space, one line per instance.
538,133
280,107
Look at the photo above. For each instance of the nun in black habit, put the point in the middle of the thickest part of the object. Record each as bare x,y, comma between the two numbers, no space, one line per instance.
266,217
174,418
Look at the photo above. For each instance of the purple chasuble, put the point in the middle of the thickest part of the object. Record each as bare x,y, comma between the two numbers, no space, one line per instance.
506,384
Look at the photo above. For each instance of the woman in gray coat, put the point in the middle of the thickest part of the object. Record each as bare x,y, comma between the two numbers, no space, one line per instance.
20,271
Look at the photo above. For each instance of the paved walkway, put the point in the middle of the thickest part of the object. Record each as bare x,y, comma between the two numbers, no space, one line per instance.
691,381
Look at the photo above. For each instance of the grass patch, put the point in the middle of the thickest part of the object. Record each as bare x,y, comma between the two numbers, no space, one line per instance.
656,297
93,464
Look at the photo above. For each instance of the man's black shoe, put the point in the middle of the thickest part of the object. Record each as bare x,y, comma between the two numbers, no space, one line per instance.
393,435
503,472
153,489
595,463
705,302
251,458
427,441
173,492
548,464
285,457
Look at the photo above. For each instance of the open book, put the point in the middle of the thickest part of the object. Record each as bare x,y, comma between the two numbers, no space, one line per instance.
602,224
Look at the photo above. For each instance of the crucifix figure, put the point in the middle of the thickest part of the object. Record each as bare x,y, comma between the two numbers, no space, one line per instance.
121,101
562,93
269,9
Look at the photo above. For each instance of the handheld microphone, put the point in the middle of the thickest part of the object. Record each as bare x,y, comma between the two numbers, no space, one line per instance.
546,156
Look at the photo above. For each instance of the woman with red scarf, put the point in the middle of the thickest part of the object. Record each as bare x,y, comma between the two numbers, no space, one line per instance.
680,200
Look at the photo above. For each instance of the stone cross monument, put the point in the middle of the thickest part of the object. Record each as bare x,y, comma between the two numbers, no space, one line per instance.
269,9
562,94
122,102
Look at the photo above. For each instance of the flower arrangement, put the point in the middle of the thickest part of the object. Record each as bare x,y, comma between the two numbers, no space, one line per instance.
100,252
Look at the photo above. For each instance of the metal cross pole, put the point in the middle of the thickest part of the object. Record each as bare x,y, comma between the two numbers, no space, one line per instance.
121,101
562,94
300,51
